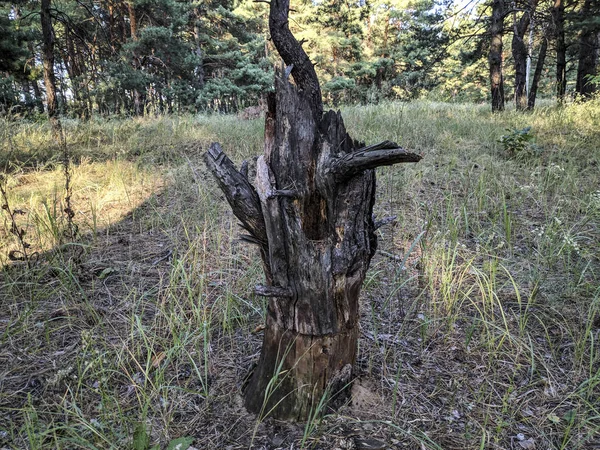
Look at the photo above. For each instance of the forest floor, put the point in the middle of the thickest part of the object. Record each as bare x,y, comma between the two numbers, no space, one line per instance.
480,315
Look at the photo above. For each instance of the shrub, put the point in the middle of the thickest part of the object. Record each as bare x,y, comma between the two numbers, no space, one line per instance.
519,144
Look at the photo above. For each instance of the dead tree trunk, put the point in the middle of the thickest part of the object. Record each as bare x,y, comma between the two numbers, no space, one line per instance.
311,214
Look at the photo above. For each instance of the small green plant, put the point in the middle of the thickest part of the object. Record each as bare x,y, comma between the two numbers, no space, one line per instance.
141,440
519,143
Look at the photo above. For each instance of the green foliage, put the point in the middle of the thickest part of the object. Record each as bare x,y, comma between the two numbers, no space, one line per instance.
387,48
520,143
141,440
215,55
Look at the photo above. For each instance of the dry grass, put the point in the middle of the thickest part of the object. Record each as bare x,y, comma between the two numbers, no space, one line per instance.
480,314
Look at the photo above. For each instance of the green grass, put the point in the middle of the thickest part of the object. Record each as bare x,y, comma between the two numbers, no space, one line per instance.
480,314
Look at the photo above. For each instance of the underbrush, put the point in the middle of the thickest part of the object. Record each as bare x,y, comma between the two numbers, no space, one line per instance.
480,315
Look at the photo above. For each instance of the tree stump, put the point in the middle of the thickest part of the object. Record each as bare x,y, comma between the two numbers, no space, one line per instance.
310,211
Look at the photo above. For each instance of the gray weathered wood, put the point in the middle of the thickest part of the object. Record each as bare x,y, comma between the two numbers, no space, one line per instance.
311,210
240,194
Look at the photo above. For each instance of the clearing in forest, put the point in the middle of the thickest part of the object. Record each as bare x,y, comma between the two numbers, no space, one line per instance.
480,314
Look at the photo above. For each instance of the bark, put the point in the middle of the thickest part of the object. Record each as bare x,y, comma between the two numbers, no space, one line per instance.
48,61
132,20
519,51
200,69
588,54
26,93
495,55
38,96
537,76
558,22
137,97
292,53
520,54
529,56
34,83
310,213
75,69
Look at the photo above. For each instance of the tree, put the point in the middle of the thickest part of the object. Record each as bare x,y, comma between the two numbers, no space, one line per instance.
48,58
496,32
520,52
236,70
589,46
537,75
311,215
558,23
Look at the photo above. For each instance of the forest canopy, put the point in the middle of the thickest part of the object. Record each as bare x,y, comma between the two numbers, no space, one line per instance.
159,56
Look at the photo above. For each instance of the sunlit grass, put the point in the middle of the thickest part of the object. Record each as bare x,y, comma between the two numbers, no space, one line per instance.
480,314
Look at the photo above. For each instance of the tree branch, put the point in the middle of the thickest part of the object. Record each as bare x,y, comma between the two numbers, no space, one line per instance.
294,55
385,153
239,192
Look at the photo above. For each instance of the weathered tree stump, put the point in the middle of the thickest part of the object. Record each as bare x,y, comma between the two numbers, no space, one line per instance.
310,211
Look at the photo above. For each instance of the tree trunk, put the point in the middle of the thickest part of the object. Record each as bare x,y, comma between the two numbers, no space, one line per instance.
529,56
199,72
311,216
38,96
519,51
132,19
588,52
537,76
495,55
558,19
138,109
75,69
48,58
520,54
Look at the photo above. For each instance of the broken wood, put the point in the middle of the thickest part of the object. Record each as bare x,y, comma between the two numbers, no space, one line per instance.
311,210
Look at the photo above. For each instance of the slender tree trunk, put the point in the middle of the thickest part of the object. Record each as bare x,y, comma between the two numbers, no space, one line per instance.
132,20
519,52
34,84
48,58
558,19
25,89
111,24
495,55
539,67
200,69
38,96
75,71
529,56
138,109
310,213
588,52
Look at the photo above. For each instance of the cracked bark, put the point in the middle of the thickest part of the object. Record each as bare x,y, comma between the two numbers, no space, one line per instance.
311,207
